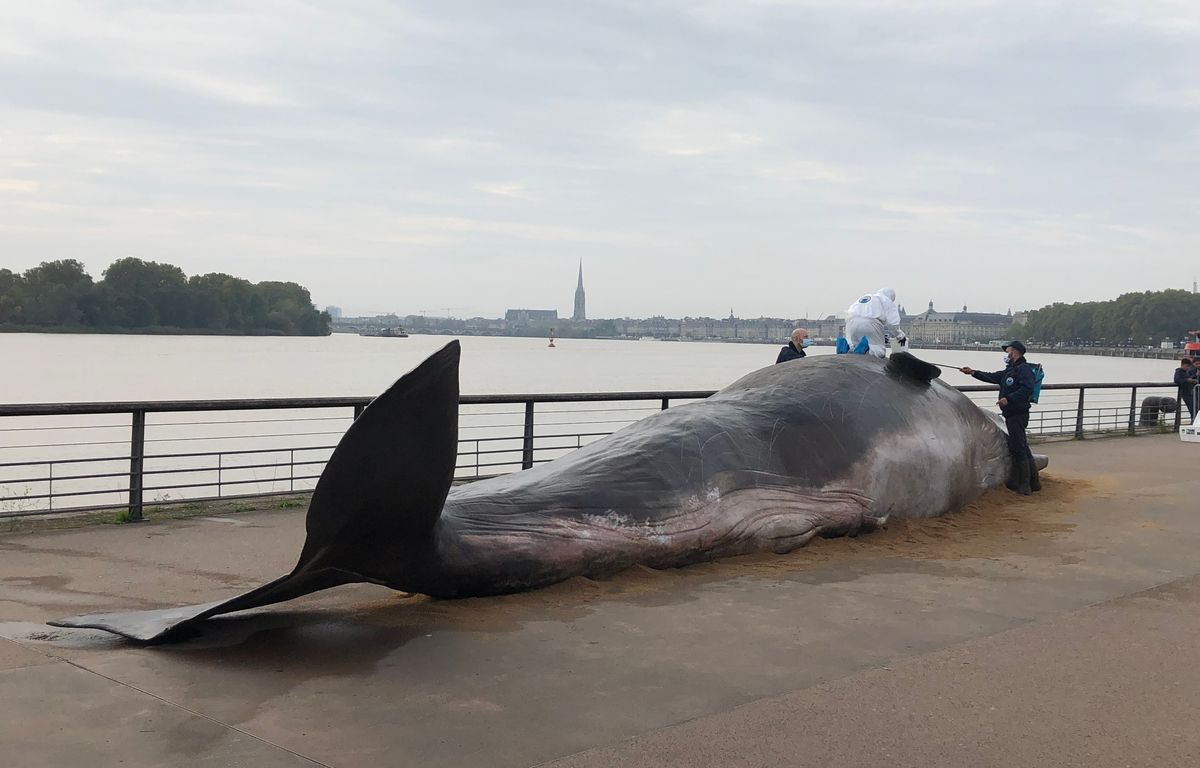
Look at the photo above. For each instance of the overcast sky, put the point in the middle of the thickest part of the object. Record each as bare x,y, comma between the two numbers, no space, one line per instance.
775,157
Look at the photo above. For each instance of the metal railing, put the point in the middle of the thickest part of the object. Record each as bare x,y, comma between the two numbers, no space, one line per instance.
57,458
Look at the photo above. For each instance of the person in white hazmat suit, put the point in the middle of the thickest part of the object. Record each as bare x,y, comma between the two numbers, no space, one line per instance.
871,317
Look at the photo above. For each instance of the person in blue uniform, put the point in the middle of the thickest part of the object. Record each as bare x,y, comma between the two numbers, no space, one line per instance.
1016,387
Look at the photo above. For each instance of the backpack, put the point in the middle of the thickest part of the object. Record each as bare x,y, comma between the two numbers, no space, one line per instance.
1038,375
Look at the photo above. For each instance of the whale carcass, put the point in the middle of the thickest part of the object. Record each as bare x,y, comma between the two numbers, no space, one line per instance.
824,446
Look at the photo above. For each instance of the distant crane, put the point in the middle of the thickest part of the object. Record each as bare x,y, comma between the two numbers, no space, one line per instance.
448,311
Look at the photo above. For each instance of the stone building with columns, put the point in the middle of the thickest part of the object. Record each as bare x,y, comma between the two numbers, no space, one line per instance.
934,327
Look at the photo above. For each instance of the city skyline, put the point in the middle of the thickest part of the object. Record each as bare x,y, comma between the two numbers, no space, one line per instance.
782,156
579,299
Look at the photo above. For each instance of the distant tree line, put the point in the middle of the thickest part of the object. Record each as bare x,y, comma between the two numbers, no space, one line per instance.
1133,318
149,296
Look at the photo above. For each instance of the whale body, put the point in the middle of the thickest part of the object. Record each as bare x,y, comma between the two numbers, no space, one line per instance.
822,446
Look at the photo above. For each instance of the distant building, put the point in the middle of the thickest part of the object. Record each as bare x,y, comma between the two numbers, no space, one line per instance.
962,327
334,313
523,316
580,304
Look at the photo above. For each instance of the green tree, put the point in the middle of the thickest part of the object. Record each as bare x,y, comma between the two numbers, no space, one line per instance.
291,309
1132,318
52,292
162,287
140,294
12,296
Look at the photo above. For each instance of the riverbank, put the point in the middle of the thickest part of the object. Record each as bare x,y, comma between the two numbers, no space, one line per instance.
150,330
1033,349
917,346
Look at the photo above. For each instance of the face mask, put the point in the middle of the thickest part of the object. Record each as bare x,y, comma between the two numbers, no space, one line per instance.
806,343
1007,362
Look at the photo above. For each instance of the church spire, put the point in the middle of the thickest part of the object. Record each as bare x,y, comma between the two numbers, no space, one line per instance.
580,298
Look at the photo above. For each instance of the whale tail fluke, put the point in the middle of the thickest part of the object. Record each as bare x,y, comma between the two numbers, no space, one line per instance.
389,476
381,491
164,624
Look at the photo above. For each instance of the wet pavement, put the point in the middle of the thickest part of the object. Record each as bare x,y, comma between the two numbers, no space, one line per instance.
1057,630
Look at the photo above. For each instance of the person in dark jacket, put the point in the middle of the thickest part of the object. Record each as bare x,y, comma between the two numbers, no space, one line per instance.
1185,379
1016,387
795,348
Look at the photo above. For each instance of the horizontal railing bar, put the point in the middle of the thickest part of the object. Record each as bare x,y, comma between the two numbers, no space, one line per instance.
226,467
72,427
62,445
519,448
59,461
55,478
514,463
181,406
654,406
156,424
198,438
223,483
64,510
159,503
62,494
212,468
1076,387
239,452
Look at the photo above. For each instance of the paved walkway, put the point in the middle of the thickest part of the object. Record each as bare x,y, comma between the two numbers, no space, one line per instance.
1059,631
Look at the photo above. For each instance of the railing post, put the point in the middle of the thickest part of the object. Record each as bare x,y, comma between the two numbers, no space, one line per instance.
358,409
1079,416
527,441
666,403
292,470
1179,406
220,456
137,460
1132,411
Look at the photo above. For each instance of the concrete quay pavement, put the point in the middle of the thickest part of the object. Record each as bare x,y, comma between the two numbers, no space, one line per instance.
1057,630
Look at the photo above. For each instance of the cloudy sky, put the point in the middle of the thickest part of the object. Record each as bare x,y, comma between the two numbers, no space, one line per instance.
775,157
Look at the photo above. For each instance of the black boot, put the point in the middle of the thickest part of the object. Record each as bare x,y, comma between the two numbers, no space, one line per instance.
1035,482
1023,476
1012,482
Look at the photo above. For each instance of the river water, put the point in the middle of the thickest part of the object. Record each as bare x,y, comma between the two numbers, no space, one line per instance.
84,460
73,368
